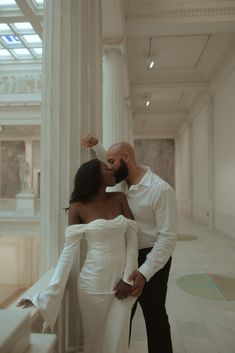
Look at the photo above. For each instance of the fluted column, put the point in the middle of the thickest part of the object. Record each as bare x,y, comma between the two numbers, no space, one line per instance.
71,108
113,99
128,124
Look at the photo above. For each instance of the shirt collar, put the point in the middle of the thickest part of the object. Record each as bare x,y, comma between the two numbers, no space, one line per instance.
146,180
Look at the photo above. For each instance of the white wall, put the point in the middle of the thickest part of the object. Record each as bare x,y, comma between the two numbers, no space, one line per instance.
201,200
224,162
183,171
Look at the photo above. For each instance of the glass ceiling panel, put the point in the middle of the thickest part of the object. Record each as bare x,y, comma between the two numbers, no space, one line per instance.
7,3
37,51
23,27
32,39
5,54
4,28
22,52
37,3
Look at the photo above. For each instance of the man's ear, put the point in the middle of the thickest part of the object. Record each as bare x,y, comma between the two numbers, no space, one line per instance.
125,157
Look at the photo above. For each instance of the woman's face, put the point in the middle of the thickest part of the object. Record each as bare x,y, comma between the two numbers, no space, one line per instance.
107,175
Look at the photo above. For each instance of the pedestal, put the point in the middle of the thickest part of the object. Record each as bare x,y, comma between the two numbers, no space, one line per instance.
25,203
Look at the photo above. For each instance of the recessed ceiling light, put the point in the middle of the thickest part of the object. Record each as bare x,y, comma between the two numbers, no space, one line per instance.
150,66
147,103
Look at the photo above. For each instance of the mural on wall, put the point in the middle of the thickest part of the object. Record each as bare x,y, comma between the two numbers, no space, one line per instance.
10,180
159,154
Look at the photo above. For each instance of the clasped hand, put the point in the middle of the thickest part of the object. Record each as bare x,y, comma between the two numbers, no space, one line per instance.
25,303
124,290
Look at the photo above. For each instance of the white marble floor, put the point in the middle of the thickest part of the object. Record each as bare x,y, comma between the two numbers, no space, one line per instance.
198,325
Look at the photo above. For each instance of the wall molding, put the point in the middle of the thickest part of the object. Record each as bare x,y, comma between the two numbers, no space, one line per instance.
153,13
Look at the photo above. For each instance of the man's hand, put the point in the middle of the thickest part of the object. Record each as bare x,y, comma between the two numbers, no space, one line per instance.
89,141
139,282
123,290
25,303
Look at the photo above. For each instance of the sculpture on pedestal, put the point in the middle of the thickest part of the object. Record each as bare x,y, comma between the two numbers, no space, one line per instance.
24,171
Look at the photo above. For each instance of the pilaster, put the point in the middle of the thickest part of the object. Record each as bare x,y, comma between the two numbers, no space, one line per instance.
113,100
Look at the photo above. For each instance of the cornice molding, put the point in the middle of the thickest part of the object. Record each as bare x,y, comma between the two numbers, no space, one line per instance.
156,14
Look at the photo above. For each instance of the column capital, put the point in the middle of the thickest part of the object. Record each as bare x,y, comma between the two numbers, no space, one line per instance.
113,44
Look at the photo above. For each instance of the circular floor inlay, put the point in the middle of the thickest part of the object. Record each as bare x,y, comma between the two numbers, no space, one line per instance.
209,286
183,237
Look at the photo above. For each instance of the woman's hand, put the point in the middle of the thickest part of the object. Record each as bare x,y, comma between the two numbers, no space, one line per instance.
139,282
89,141
25,303
123,290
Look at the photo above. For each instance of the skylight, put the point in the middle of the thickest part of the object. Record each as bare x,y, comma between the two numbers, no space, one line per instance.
19,40
4,28
25,26
32,39
22,52
7,2
4,54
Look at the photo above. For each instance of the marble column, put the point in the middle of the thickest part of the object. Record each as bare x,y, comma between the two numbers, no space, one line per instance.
71,108
128,124
113,99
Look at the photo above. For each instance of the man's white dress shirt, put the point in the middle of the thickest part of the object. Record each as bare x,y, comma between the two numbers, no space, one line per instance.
153,204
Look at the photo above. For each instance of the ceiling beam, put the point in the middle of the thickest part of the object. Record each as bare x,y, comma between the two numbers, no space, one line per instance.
151,87
30,16
162,113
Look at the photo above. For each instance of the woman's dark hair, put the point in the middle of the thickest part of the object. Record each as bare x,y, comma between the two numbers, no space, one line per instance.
87,181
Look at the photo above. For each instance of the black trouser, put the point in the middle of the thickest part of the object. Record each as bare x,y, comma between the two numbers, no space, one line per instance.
152,302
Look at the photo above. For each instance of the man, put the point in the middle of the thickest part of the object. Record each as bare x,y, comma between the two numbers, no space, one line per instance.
153,204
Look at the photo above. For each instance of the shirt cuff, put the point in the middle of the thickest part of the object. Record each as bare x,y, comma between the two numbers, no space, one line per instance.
144,270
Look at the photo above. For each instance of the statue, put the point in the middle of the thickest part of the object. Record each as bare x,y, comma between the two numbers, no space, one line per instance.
24,171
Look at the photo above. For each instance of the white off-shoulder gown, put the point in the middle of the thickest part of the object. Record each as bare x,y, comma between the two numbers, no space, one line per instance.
111,256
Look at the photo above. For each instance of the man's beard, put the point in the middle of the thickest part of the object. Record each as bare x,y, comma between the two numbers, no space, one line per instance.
121,173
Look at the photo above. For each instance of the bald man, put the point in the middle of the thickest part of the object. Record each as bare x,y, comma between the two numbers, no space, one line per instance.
153,204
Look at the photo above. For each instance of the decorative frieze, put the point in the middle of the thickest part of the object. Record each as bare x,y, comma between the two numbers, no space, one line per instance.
146,15
29,83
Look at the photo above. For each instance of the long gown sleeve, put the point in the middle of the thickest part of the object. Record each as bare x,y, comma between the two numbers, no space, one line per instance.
49,300
131,250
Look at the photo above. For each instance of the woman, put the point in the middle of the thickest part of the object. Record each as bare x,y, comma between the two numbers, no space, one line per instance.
105,221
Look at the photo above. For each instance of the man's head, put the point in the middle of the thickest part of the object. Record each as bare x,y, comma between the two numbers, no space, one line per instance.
121,158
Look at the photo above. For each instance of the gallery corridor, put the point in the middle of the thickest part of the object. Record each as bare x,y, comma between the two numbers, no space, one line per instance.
203,322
